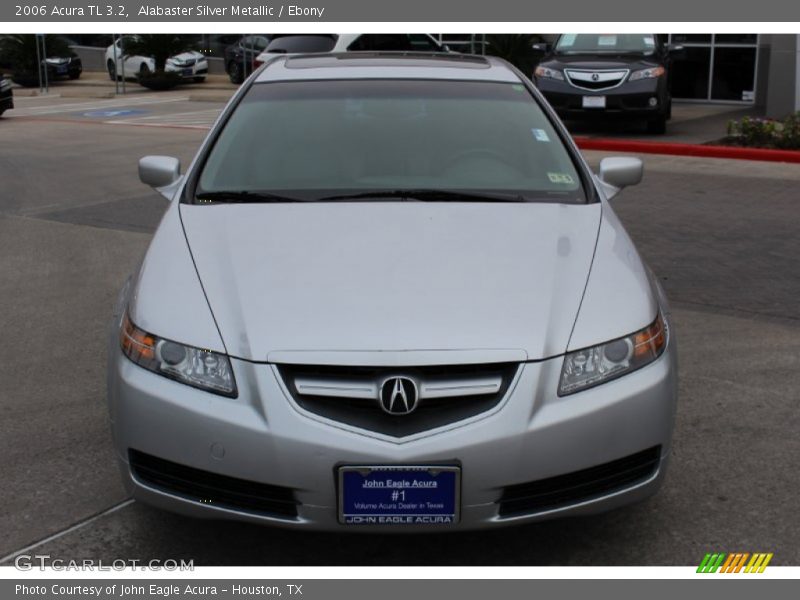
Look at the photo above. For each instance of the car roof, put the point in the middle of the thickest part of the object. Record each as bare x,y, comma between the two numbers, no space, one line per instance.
387,65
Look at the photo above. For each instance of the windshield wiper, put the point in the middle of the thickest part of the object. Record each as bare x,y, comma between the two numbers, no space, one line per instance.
427,195
244,197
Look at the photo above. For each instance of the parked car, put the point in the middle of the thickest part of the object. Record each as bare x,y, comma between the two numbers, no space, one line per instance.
19,54
240,56
350,42
190,64
586,76
397,299
6,95
59,67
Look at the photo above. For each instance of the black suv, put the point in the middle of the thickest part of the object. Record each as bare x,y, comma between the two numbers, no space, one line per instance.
604,75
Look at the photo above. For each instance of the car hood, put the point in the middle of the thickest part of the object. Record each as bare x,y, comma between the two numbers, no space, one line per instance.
393,276
190,55
594,61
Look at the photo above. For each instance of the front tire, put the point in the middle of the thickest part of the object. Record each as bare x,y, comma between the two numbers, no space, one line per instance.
112,70
144,70
235,72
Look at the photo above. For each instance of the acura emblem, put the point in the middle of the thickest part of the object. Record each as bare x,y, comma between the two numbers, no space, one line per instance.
595,77
399,395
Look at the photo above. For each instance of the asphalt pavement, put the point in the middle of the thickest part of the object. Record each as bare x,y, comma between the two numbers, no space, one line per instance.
74,220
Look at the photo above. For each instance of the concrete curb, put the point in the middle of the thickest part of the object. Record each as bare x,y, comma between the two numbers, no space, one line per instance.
678,149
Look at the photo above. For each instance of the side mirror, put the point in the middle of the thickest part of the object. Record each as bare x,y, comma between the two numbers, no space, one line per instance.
540,48
621,171
159,171
162,173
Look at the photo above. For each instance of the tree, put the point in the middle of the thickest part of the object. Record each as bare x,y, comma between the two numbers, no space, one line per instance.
18,51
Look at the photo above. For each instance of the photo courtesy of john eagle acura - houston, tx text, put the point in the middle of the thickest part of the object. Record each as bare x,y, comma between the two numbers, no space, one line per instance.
388,294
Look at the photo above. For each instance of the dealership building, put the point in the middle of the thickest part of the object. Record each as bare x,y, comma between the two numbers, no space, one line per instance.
748,69
761,70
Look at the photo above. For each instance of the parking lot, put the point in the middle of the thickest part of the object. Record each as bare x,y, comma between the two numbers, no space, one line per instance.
74,220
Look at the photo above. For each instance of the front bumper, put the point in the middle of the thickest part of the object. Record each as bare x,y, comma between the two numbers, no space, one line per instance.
199,69
263,436
629,99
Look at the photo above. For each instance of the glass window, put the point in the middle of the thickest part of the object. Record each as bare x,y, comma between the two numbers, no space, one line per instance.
691,38
734,73
319,138
292,44
690,74
736,38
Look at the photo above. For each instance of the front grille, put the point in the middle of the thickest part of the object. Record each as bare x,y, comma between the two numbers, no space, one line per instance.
595,80
213,489
579,486
361,410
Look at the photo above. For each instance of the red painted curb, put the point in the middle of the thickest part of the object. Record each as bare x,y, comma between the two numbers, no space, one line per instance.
788,156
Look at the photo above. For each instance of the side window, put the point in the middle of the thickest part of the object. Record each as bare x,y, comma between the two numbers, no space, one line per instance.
380,42
422,43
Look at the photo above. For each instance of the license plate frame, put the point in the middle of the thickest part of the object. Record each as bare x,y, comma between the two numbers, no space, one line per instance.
419,505
596,102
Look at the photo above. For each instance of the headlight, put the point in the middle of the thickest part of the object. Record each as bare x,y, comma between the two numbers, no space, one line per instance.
592,366
652,73
193,366
548,73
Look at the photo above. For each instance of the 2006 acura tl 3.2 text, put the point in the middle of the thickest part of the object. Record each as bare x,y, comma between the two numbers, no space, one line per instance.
389,294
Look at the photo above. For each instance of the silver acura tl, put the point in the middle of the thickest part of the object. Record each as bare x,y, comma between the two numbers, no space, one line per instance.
389,294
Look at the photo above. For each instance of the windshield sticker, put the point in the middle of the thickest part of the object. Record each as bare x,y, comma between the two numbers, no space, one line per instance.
563,178
607,40
540,135
568,39
518,88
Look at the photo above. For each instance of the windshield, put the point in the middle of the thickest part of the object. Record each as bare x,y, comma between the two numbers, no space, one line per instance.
581,43
316,140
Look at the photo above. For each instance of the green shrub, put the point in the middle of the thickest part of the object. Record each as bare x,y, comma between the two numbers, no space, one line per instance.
766,133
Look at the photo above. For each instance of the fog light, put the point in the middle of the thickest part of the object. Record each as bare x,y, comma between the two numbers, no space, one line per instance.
653,101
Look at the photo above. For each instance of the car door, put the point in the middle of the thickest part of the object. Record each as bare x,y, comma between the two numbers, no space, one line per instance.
133,63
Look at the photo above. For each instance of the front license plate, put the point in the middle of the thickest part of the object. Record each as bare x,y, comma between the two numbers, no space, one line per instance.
594,102
61,70
186,72
402,495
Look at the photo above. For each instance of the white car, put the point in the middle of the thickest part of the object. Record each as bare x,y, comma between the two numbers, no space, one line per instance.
190,64
350,42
